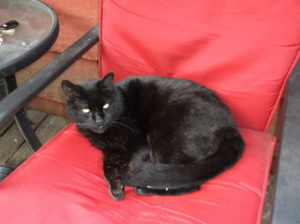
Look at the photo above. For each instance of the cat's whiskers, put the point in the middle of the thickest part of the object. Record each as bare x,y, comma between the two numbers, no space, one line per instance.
117,126
123,125
127,119
81,125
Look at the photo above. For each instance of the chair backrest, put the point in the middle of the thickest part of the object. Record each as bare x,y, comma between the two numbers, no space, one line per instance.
244,50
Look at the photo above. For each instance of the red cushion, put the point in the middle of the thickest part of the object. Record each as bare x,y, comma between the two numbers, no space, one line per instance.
63,183
243,50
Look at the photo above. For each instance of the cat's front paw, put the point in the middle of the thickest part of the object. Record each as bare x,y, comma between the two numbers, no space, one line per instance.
117,191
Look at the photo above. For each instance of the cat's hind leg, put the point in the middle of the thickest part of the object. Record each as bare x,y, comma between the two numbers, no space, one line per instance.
177,191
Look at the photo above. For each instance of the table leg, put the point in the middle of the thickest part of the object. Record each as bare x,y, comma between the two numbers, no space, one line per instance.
20,118
4,172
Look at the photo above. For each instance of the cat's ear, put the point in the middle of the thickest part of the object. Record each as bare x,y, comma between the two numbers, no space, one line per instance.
71,90
107,81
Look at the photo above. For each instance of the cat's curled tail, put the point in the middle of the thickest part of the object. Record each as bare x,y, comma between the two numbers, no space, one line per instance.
161,176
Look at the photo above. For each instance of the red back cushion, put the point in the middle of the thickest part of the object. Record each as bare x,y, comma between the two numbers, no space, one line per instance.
242,50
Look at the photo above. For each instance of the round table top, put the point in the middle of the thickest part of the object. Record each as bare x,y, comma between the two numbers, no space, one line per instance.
37,31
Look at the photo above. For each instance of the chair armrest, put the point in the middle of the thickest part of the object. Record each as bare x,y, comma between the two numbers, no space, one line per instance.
286,208
17,99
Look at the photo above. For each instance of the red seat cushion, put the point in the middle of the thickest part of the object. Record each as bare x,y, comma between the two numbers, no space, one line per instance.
242,50
63,183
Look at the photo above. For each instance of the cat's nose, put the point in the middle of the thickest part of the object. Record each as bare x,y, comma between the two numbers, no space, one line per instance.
99,121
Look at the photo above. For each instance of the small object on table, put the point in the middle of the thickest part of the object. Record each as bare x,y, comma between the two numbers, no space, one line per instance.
9,25
7,29
8,32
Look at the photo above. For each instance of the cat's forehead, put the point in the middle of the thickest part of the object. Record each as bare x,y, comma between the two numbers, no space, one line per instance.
93,93
88,85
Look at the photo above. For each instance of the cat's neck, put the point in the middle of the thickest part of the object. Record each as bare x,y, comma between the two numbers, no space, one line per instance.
127,100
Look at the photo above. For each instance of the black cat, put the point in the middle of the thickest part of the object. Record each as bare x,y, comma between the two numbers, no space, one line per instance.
165,136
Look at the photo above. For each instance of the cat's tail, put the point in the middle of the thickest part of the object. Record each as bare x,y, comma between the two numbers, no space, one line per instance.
161,176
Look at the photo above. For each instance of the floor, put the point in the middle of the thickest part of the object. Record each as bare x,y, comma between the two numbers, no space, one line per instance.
14,150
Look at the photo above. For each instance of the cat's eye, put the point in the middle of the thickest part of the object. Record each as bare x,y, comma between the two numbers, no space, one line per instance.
105,106
85,110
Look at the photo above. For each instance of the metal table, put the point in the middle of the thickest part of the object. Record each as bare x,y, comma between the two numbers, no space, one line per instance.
36,33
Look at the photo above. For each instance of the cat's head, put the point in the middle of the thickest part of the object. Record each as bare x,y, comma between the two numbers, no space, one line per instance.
93,104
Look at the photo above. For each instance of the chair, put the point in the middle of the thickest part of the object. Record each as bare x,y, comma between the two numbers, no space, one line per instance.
245,51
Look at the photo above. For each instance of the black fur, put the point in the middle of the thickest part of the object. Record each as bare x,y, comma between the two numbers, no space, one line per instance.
164,136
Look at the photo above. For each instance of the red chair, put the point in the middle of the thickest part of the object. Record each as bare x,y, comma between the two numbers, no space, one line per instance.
245,51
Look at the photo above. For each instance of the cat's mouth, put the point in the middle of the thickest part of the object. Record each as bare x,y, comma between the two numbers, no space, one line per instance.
96,129
99,130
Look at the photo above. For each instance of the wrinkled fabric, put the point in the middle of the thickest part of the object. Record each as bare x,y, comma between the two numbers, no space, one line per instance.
242,50
63,183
